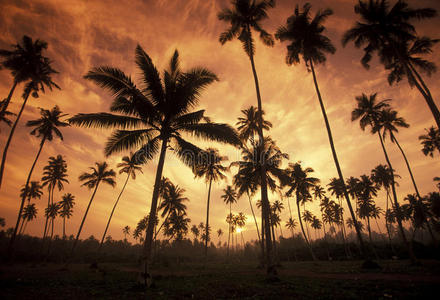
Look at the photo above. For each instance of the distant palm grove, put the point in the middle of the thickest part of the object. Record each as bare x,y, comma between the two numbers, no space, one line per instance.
158,114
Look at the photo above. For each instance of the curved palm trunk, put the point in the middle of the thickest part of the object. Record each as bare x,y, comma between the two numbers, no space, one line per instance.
24,228
11,134
229,233
302,229
21,227
83,220
364,251
396,204
111,214
255,219
207,220
8,99
64,227
50,196
271,270
23,199
369,230
387,225
144,275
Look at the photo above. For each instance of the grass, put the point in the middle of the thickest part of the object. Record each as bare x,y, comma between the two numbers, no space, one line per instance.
320,280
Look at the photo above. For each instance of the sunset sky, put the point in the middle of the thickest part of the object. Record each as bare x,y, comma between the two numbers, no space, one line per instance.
86,34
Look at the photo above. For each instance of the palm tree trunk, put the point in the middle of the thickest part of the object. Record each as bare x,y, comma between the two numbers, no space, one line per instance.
8,99
364,251
83,219
255,219
207,220
64,227
23,199
21,227
24,228
325,239
408,166
387,225
11,134
396,204
111,214
271,270
302,229
144,276
50,190
229,233
369,230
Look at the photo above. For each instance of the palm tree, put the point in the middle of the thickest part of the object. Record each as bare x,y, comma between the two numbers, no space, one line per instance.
389,121
317,225
29,213
388,31
66,206
32,192
195,231
157,115
212,169
430,141
51,212
247,125
301,183
126,231
420,214
46,128
54,176
39,78
240,221
129,165
230,197
307,41
98,174
307,218
24,62
367,189
219,234
245,16
369,113
6,114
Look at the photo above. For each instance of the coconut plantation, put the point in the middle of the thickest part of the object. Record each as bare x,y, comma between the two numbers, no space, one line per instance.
224,149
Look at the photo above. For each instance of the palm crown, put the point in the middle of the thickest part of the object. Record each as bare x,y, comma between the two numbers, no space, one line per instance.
130,165
55,173
99,173
46,125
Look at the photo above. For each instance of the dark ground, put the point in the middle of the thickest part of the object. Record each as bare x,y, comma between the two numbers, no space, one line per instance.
298,280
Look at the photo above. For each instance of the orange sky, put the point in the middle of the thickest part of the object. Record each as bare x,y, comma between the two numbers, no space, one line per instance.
85,34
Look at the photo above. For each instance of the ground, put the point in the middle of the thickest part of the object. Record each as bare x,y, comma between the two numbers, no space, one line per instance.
298,280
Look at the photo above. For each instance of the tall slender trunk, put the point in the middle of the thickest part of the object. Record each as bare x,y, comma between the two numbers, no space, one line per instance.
302,229
255,219
144,275
83,220
396,204
364,251
113,210
207,220
326,242
369,230
229,233
64,227
271,270
21,227
8,99
23,199
387,225
24,228
408,166
11,134
50,190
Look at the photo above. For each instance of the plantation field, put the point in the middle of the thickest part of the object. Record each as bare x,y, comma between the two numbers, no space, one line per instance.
299,280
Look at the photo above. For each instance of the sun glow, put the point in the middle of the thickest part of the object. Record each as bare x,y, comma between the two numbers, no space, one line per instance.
239,230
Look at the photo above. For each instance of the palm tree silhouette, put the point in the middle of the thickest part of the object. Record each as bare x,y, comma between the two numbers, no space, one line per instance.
301,183
245,16
160,112
6,114
317,225
46,128
369,113
51,212
98,174
420,214
430,141
367,189
230,197
247,126
32,192
195,231
29,213
212,169
126,231
66,209
307,41
389,31
389,121
54,176
130,166
39,77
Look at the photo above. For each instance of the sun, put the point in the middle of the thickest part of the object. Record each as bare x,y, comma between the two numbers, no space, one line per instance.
239,230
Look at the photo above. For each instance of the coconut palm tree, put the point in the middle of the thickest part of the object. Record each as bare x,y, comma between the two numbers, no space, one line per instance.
129,165
430,141
195,231
158,115
29,213
32,192
369,113
66,209
46,127
367,190
38,79
420,214
317,225
51,212
247,125
6,114
240,222
100,173
388,31
54,176
210,167
24,62
389,121
244,18
126,231
219,234
306,38
230,197
301,183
